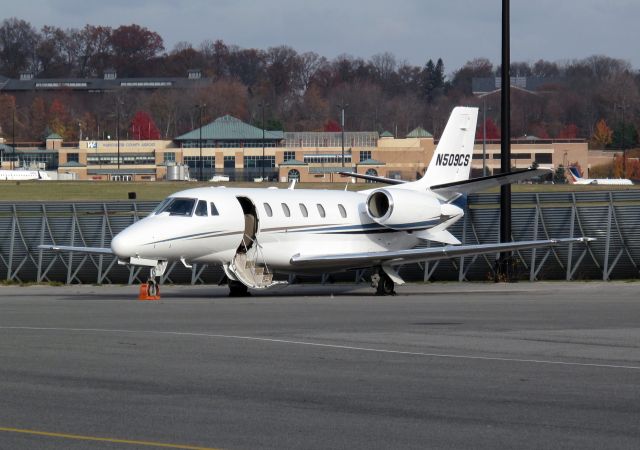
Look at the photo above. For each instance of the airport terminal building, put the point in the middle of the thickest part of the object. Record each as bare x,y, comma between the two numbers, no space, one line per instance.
228,147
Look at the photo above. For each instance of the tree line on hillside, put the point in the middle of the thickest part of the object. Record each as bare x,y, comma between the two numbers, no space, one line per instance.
594,98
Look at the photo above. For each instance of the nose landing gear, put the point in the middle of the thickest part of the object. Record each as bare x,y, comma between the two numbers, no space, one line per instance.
151,289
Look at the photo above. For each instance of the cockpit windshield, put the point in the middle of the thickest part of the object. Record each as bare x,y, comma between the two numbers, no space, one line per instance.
177,206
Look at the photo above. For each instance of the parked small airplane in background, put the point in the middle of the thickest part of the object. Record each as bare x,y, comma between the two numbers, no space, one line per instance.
19,175
577,179
254,233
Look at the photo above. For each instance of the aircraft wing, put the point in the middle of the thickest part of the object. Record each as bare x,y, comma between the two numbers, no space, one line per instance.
479,184
68,248
368,259
373,178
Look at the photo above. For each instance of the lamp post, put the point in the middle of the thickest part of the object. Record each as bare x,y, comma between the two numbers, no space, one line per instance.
504,262
262,105
118,131
484,136
200,108
342,108
623,108
13,135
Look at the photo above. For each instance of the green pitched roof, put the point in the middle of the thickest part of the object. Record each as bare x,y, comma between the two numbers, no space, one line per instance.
419,132
386,134
229,128
53,136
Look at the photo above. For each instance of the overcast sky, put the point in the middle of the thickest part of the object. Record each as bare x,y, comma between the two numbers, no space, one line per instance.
413,30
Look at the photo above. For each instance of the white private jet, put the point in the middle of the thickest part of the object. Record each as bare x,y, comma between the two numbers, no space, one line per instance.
20,175
577,179
256,232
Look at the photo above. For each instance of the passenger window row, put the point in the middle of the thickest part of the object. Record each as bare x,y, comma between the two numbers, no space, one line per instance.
303,210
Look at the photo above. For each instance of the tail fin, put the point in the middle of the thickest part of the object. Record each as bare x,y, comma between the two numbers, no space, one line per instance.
452,159
573,170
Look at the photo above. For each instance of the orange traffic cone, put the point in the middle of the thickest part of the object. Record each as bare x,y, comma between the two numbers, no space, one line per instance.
145,293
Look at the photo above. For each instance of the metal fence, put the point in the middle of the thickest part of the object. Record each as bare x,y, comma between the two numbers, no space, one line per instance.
611,217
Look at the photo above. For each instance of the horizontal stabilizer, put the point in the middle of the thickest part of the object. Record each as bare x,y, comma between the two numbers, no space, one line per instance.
68,248
374,178
437,236
449,190
395,257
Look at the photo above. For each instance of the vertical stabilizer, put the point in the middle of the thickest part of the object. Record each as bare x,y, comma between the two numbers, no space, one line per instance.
452,159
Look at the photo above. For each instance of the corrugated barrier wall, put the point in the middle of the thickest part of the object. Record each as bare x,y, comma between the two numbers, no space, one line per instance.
611,217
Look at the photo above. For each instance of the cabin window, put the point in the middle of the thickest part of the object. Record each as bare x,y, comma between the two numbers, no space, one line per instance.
285,210
321,210
268,210
303,210
177,206
214,210
201,209
343,212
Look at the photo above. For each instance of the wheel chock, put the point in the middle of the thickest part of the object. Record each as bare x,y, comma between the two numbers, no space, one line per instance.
144,292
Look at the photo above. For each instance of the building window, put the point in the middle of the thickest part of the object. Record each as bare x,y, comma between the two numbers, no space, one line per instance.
289,155
293,175
544,158
169,156
229,162
326,158
321,210
371,172
72,157
259,161
521,155
343,212
303,210
208,162
285,210
268,210
364,155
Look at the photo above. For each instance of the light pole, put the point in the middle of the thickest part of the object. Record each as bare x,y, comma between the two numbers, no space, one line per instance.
484,136
623,108
118,131
342,108
262,105
13,134
200,108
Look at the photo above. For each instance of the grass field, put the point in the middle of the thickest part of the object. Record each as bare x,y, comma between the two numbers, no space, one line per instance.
11,191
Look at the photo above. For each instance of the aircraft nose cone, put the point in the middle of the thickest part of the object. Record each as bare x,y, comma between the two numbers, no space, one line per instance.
120,245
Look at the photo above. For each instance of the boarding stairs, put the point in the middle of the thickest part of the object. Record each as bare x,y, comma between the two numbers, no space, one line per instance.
246,269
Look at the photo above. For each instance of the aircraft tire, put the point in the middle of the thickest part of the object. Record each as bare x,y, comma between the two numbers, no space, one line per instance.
237,289
385,285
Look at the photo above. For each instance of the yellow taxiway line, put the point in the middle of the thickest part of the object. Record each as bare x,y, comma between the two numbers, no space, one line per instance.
101,439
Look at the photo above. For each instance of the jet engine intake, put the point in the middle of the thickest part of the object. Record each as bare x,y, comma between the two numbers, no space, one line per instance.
402,209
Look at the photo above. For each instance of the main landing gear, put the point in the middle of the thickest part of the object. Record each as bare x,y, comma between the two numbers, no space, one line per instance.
383,283
237,289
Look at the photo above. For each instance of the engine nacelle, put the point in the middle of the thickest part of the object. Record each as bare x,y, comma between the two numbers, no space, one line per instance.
403,209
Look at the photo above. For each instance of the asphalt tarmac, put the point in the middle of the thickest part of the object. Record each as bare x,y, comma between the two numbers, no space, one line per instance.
525,365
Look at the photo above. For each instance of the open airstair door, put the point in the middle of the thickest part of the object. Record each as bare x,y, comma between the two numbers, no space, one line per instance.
245,267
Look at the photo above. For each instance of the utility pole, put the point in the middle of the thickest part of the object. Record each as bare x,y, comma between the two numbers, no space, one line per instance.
503,271
342,108
118,131
13,134
201,165
484,137
262,105
623,108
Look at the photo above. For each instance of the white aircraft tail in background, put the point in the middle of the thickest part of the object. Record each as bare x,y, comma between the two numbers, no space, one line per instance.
575,178
256,233
19,175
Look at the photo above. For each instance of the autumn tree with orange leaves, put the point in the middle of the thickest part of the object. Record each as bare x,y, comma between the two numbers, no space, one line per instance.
602,135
